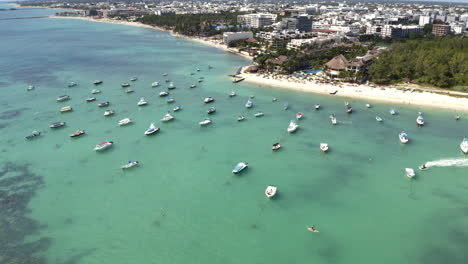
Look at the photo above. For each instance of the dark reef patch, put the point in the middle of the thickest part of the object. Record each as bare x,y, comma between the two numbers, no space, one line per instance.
10,114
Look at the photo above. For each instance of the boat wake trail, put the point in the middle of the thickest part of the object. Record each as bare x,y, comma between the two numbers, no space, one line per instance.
448,163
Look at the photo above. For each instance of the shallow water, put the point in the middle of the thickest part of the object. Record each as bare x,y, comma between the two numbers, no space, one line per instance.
182,204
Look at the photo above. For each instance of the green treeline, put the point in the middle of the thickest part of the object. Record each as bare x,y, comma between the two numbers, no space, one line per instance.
441,62
193,24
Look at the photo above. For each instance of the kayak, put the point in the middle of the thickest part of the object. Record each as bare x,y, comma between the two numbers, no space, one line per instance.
310,229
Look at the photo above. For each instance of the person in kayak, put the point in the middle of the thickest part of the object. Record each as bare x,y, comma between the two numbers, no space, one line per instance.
312,229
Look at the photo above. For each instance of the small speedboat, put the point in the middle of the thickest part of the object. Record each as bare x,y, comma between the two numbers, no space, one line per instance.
258,114
276,146
151,130
198,69
133,79
95,91
170,100
200,80
240,118
90,99
30,88
34,134
410,173
171,86
464,146
368,105
66,109
205,122
249,104
208,100
193,85
177,108
323,147
286,106
129,90
130,164
378,118
298,115
63,98
317,107
420,119
211,110
155,84
103,145
167,117
274,99
403,137
109,112
125,85
97,82
292,127
142,102
240,167
57,124
125,121
349,110
232,94
457,117
164,74
78,133
103,104
333,119
270,191
71,84
163,93
393,111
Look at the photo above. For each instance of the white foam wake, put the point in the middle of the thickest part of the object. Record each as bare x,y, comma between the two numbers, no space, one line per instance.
448,163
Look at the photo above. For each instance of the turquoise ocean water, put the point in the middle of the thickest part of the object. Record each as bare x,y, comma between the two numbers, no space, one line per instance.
61,202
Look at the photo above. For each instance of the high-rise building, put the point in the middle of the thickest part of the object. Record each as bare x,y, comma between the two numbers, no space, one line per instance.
257,20
304,23
424,20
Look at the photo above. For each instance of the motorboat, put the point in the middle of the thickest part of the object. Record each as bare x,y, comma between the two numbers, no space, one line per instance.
177,108
30,88
464,146
170,100
163,93
286,106
457,117
151,130
232,94
410,173
378,118
211,110
155,84
393,111
240,167
198,69
258,114
129,90
125,121
130,164
95,91
298,115
109,112
368,105
333,119
200,80
420,119
317,107
57,124
63,98
125,85
66,109
97,82
78,133
103,104
34,134
171,86
164,74
349,110
167,117
90,99
238,79
292,127
403,137
276,146
249,104
142,102
240,118
103,145
208,100
274,99
71,84
323,147
205,122
193,85
270,191
133,79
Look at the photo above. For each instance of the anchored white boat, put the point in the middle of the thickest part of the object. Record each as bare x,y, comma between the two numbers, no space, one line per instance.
392,111
102,104
208,100
410,173
133,79
57,124
151,130
30,88
177,108
193,85
125,85
205,122
403,137
171,86
292,127
420,119
249,104
155,84
142,102
130,164
109,112
464,146
270,191
232,94
317,107
170,100
299,115
95,91
258,114
129,90
103,145
276,146
323,147
163,93
333,119
167,117
63,98
378,118
240,118
125,121
368,105
240,167
66,109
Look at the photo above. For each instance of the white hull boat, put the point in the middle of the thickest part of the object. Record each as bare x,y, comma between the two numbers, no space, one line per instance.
163,93
292,127
205,122
240,167
151,130
259,114
299,116
109,112
323,147
125,121
420,120
208,100
167,117
270,191
142,102
249,104
66,109
403,137
464,146
103,145
130,164
378,118
155,84
410,173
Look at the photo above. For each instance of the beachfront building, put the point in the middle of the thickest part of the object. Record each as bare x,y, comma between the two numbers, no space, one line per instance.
257,20
296,44
358,64
229,37
440,29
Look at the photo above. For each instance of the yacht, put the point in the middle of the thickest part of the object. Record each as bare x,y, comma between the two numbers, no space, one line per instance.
57,124
298,115
171,86
142,102
163,93
33,135
249,104
193,85
130,164
103,104
155,84
420,119
323,147
109,112
78,133
30,88
97,82
133,79
63,98
240,167
410,173
317,107
103,145
125,85
292,127
167,117
66,109
240,118
464,146
170,100
378,118
177,108
95,91
403,137
71,84
205,122
90,99
211,110
258,114
270,191
125,121
286,106
151,130
232,94
208,100
392,111
129,90
276,146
